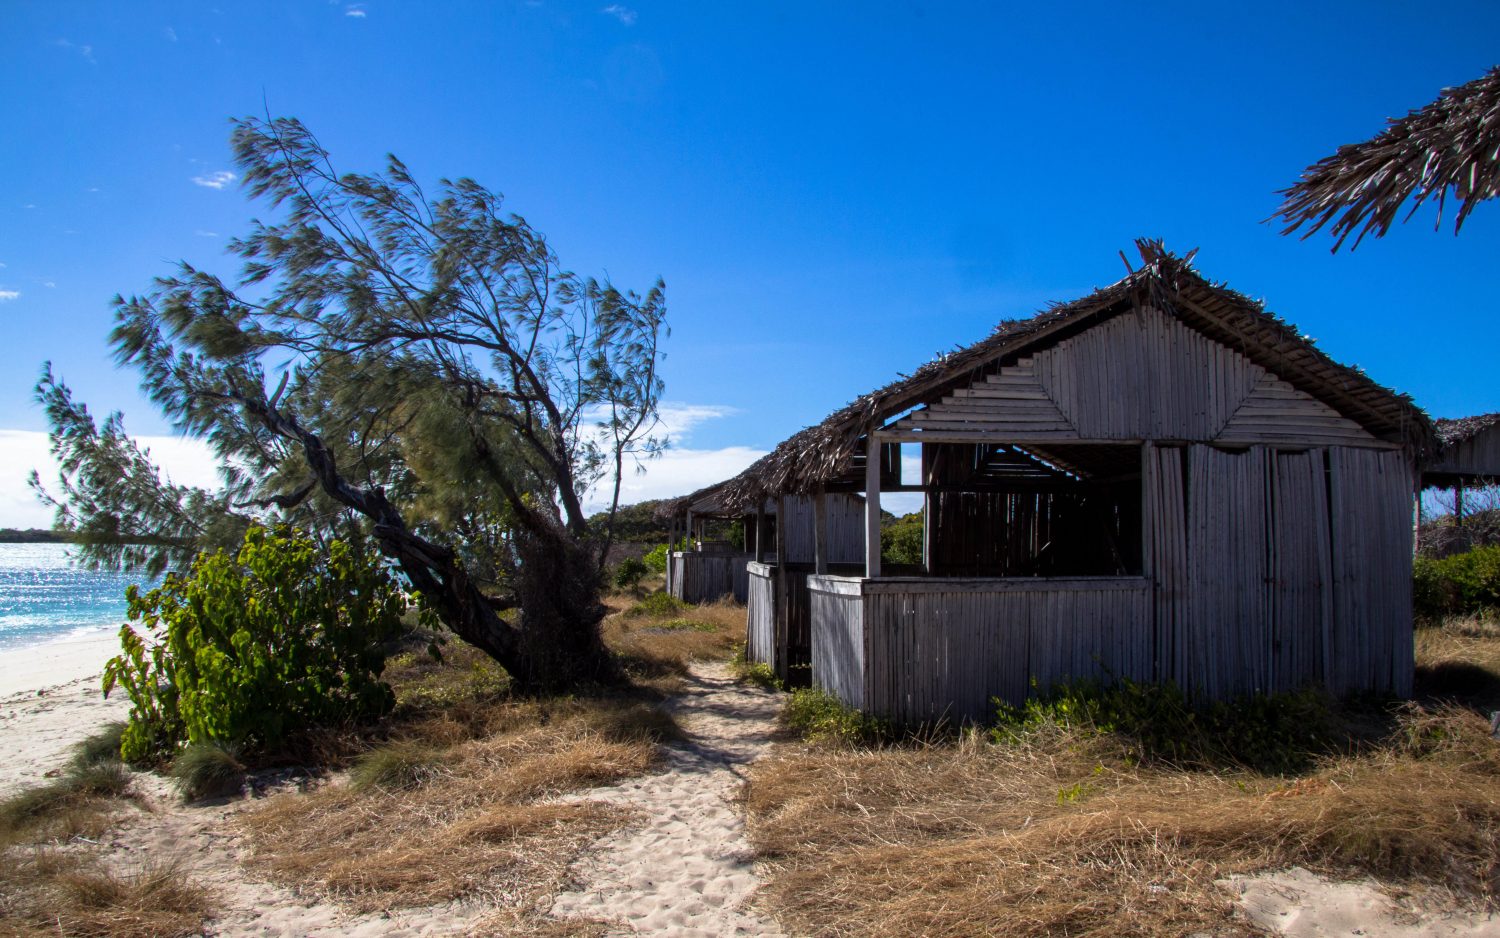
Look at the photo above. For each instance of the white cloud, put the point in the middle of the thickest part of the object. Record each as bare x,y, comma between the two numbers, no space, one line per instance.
675,472
86,51
92,189
49,284
356,10
217,179
678,420
185,462
8,295
622,13
170,33
2,265
206,234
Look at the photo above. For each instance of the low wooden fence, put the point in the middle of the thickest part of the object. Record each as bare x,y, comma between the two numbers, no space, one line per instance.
916,650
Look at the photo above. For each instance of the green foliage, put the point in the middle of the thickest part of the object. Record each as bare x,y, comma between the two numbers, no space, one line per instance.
656,604
752,672
821,717
656,559
629,573
1273,733
901,540
251,650
637,523
692,625
1463,584
206,770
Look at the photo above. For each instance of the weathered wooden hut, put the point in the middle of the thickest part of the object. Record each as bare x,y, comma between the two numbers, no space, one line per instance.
1468,457
1159,481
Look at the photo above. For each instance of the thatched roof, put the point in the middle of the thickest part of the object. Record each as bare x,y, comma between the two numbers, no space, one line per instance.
822,452
1452,143
1454,430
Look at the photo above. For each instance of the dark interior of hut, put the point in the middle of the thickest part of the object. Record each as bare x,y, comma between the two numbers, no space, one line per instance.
1055,510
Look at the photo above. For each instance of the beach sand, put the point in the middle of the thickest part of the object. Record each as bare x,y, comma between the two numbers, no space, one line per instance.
50,700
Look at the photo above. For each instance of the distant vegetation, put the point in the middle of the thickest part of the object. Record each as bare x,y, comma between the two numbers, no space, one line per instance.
36,536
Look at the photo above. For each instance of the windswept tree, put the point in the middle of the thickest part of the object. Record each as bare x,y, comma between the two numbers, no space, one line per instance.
423,364
1449,147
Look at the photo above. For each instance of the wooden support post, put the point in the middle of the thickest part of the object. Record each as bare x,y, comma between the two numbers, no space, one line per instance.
872,506
1458,502
760,531
671,548
691,541
820,532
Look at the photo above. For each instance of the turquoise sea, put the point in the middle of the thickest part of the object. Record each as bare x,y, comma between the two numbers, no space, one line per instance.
44,597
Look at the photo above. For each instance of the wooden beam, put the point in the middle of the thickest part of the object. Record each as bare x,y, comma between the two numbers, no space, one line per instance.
760,531
671,548
872,505
782,628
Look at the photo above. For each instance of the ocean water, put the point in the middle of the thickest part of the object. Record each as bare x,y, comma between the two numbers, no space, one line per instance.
43,597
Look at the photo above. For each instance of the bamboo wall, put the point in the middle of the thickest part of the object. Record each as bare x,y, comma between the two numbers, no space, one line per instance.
1479,455
845,528
760,612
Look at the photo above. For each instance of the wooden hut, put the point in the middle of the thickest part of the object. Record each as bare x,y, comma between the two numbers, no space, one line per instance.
1468,457
1159,481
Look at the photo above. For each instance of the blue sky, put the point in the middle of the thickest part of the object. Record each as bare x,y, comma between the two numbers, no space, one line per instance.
833,192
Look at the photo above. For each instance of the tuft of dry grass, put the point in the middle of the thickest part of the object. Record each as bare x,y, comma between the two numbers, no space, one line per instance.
1062,833
477,823
47,891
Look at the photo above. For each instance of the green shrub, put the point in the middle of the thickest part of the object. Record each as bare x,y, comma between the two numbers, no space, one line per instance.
656,559
630,573
901,540
1274,733
656,604
250,651
1463,584
204,770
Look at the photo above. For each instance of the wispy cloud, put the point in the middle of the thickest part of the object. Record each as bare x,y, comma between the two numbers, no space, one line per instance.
217,179
49,284
622,13
356,10
7,295
87,51
170,33
206,234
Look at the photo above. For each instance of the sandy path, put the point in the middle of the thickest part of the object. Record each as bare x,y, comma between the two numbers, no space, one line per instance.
687,869
1300,904
38,729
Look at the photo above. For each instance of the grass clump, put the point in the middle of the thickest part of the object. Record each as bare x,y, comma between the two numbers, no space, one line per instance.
396,766
757,673
656,605
103,746
206,770
77,803
1155,722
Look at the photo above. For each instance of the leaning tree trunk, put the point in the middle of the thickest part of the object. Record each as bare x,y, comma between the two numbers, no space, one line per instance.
557,590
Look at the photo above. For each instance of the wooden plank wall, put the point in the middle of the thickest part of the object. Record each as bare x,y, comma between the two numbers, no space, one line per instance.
1478,455
1301,558
1372,627
1139,376
1227,633
941,649
838,640
760,613
701,577
846,529
1166,511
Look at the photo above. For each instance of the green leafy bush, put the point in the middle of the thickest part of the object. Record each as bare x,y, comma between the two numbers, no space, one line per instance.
630,573
1463,584
251,650
819,716
901,540
656,559
1274,733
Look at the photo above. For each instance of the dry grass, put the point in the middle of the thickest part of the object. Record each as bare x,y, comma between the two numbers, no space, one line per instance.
51,892
472,822
1064,835
657,649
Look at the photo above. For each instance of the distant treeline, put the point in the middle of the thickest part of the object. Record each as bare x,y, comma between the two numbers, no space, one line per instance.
36,536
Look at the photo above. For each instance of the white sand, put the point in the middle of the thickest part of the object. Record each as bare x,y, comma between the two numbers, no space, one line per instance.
50,700
686,870
1301,904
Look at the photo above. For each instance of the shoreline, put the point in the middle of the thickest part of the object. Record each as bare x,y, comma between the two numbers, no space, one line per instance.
33,669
